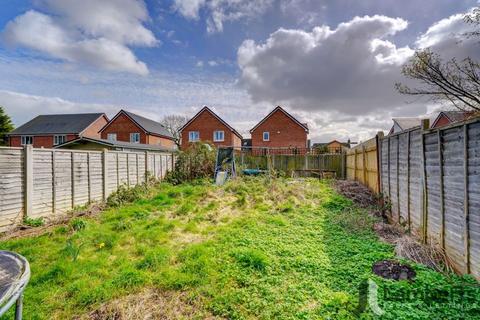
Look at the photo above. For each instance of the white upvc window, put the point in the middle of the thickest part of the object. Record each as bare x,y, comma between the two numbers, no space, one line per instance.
218,136
266,136
112,136
193,136
26,140
59,139
135,137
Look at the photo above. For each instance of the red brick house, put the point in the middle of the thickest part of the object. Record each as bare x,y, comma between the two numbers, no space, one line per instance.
50,130
208,126
445,118
279,129
130,127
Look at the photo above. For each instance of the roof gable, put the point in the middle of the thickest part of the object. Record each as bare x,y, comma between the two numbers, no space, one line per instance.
207,109
147,125
58,124
452,116
280,109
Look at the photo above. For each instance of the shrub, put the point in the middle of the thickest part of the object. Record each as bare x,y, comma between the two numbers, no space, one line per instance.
33,222
127,195
78,224
197,162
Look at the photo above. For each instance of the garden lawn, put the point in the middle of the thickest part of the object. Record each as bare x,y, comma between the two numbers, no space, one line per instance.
254,248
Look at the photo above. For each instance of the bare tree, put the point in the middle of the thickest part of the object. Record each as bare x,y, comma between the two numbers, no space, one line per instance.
173,123
454,82
473,18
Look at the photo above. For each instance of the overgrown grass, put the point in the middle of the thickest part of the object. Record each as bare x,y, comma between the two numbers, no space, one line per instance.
255,248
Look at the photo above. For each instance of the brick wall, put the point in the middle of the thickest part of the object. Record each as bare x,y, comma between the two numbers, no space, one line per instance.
39,141
164,142
93,130
123,126
284,132
206,124
443,121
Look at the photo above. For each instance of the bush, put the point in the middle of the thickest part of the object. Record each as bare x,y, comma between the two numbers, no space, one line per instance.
197,162
126,195
33,222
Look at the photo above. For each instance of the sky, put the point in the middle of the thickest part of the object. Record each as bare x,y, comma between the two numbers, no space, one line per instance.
331,63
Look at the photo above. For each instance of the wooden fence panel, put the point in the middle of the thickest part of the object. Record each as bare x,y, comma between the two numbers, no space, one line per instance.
403,168
454,194
50,182
474,197
415,179
362,164
438,178
434,187
42,199
11,186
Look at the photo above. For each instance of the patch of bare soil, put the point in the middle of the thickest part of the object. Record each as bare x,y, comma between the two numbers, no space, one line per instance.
391,269
357,192
23,231
150,304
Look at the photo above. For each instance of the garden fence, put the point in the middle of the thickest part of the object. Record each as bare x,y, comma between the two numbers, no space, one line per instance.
302,164
431,178
47,183
362,164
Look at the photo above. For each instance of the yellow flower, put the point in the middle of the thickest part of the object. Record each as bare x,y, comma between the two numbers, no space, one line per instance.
101,245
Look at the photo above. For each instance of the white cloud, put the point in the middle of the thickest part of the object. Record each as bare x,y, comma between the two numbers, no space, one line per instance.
351,68
447,37
220,11
95,33
23,107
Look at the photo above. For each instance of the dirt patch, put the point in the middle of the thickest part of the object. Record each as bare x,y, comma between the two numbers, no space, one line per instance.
150,304
388,233
391,269
23,231
357,192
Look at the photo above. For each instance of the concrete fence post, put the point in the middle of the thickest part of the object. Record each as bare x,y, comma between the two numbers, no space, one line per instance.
28,174
147,166
424,127
105,174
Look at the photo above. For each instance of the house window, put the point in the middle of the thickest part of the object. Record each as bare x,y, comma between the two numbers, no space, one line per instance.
27,140
112,136
59,140
193,136
218,136
135,137
266,136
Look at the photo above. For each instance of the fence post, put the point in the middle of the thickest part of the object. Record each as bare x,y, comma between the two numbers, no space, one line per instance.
355,165
105,174
425,126
442,200
388,172
128,169
72,164
466,207
147,166
364,167
89,182
378,142
28,174
54,183
398,178
408,182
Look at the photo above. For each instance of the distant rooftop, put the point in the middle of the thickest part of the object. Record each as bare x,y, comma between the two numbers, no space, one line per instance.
58,124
